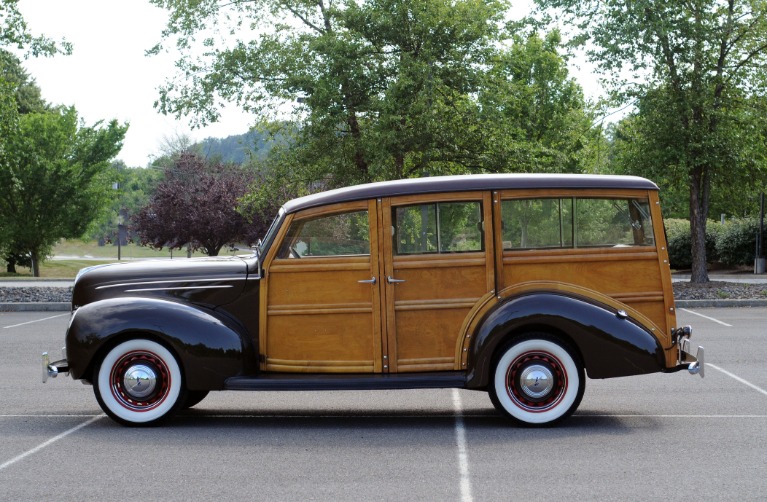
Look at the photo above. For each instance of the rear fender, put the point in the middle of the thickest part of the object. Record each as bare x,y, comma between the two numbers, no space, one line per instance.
610,343
209,346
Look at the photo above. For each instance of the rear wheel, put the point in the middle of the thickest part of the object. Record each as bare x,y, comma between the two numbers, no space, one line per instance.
537,381
139,383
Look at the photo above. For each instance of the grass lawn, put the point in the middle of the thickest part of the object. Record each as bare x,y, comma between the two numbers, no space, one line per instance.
72,255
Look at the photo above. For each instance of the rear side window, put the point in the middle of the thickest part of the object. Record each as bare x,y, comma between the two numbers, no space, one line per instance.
576,223
443,227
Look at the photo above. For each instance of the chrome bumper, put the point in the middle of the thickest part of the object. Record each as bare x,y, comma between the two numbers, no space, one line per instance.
53,369
694,363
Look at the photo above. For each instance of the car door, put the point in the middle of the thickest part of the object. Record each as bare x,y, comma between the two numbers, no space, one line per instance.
438,270
320,297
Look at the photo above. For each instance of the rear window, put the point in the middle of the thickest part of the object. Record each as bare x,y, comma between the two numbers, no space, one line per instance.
576,223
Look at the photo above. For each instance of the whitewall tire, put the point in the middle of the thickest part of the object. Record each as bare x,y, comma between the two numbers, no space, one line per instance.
139,382
537,381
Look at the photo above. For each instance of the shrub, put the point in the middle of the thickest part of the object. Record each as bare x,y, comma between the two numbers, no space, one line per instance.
678,235
736,243
680,242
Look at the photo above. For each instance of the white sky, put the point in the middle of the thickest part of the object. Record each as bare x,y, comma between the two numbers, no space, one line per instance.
109,77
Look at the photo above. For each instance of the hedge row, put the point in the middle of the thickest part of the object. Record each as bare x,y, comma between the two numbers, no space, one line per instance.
731,244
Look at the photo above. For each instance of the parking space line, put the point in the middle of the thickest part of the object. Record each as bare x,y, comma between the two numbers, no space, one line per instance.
460,439
707,317
37,320
736,377
48,443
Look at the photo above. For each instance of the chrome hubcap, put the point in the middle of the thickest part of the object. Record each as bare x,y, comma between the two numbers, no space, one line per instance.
139,381
536,381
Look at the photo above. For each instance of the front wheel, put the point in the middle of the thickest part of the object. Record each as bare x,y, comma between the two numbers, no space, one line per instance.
139,383
537,381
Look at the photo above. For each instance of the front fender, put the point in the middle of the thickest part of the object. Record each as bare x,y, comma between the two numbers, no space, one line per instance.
210,347
609,344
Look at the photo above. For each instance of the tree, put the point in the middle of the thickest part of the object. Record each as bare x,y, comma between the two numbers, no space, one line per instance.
694,66
20,84
380,87
196,205
55,179
533,114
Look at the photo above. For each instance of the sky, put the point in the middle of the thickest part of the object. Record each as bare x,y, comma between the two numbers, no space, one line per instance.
109,77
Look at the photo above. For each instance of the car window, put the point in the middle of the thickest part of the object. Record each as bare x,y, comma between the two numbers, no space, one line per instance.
443,227
333,235
575,222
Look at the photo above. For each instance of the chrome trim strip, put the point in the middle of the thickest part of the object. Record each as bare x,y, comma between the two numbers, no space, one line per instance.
177,288
170,281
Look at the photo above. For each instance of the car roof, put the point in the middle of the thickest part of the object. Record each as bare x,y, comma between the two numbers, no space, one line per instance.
465,183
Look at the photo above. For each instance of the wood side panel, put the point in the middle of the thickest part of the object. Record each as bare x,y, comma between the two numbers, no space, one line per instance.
427,313
318,316
669,307
634,275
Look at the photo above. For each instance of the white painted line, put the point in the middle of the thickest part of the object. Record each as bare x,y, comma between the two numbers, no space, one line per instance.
73,415
736,377
48,443
38,320
707,317
463,458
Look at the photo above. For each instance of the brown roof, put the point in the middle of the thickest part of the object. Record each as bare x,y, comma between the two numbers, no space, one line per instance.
474,182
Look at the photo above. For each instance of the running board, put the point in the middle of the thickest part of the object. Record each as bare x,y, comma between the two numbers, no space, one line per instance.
293,381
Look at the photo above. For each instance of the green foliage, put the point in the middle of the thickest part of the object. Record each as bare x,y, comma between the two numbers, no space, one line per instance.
131,191
54,180
694,70
380,89
736,243
14,33
20,84
533,115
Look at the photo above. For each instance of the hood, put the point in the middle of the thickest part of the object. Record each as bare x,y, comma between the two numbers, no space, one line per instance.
205,281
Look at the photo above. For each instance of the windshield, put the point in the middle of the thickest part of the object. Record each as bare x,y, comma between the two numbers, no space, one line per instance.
270,234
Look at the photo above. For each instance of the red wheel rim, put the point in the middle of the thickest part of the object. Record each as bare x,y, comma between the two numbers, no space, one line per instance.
544,363
132,360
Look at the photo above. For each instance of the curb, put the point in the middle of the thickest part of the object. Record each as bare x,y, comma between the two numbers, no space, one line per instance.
697,304
35,307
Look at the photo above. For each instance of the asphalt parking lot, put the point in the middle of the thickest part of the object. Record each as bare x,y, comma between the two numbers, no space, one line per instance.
659,436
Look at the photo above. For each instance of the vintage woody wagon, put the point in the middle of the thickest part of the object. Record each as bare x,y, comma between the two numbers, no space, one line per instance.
518,285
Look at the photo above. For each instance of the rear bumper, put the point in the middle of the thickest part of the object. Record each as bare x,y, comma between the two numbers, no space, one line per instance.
695,363
54,369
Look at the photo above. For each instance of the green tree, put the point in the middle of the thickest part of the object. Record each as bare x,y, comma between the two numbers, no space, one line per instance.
380,88
55,179
20,84
534,115
694,67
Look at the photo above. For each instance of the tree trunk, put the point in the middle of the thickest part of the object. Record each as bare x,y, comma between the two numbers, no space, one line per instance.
698,215
35,264
11,266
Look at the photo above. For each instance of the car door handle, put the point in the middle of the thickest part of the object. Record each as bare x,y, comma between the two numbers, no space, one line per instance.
392,280
368,281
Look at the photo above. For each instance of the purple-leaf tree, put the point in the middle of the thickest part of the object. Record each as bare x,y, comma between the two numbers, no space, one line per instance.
196,205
